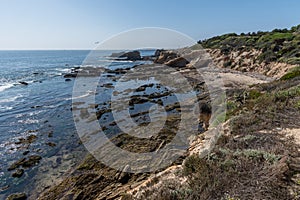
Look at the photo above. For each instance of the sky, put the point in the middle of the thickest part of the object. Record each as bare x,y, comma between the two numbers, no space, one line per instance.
80,24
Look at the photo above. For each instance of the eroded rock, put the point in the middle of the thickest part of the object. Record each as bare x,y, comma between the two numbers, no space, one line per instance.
17,196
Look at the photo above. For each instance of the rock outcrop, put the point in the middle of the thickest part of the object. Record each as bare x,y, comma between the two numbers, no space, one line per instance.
17,196
247,61
171,59
131,55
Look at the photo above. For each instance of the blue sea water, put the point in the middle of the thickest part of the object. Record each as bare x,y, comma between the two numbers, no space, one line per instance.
41,108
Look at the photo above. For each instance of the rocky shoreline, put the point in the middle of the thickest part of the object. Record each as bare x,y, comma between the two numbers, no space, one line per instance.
93,180
92,170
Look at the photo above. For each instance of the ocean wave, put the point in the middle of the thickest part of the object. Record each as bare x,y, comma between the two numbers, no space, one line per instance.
6,86
11,99
29,121
51,106
30,113
81,96
4,108
63,70
115,60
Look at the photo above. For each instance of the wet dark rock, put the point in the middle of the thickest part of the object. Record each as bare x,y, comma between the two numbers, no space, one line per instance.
160,102
144,87
108,85
25,153
2,189
17,196
71,75
16,164
140,89
68,80
102,112
18,173
159,95
35,106
28,140
23,83
139,114
25,162
31,161
127,91
58,160
137,100
50,134
113,123
75,68
93,105
51,144
117,71
116,93
32,131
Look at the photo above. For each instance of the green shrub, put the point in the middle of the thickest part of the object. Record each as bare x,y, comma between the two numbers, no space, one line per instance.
280,45
297,105
292,74
254,94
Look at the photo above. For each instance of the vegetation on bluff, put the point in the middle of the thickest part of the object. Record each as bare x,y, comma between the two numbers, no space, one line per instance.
280,45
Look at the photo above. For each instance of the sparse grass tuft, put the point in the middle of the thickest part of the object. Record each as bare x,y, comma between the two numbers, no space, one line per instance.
292,74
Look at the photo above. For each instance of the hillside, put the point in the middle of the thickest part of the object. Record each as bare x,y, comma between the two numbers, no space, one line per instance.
269,53
279,45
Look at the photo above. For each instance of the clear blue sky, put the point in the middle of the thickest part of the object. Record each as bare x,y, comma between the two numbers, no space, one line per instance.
78,24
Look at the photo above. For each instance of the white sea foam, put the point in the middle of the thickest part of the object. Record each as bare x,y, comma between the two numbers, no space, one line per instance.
63,69
115,60
30,113
82,96
5,86
51,106
4,108
28,121
10,99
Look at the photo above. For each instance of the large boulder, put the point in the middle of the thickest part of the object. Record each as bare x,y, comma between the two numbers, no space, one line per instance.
158,51
165,56
118,54
177,62
131,55
171,59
